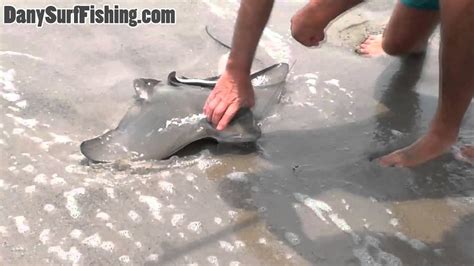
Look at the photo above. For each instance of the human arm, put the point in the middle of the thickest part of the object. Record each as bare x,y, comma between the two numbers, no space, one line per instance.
234,89
308,24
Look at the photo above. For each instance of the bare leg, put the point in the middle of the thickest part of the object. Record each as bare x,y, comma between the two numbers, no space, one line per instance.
456,86
407,32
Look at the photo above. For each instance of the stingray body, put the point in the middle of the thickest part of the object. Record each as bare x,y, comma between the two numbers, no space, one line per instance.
165,118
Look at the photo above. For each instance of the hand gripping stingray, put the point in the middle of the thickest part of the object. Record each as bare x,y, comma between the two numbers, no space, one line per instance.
166,117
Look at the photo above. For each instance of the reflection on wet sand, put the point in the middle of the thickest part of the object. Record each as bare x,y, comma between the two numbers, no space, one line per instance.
306,194
322,161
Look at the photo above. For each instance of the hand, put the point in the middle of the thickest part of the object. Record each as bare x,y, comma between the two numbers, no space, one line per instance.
307,25
232,91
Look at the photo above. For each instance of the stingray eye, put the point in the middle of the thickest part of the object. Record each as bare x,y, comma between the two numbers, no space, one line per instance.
144,88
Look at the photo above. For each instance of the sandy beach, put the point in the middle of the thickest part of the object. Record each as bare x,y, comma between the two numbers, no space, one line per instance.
308,193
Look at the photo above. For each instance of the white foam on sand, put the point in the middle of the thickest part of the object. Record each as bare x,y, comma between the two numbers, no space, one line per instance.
13,53
325,212
110,192
3,231
73,255
216,9
22,224
317,206
124,259
75,234
154,205
29,123
134,216
103,216
92,241
334,82
49,207
57,139
166,186
30,189
364,246
60,139
11,96
29,168
22,104
107,246
125,233
71,202
292,238
275,45
370,253
228,247
57,180
213,260
6,79
195,227
237,176
177,219
414,243
45,236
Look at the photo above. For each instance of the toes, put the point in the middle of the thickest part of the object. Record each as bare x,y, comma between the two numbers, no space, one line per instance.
362,50
393,159
365,43
468,151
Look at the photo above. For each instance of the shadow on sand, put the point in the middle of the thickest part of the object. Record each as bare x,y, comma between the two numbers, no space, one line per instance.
312,162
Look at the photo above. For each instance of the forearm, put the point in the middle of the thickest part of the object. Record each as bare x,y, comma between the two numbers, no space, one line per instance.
251,20
334,8
457,64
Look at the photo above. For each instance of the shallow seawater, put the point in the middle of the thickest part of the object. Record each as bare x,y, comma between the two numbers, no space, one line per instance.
310,191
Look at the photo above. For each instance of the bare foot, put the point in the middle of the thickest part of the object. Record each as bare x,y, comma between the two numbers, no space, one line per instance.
371,47
468,151
424,149
465,154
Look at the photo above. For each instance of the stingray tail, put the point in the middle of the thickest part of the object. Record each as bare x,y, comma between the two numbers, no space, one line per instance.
215,38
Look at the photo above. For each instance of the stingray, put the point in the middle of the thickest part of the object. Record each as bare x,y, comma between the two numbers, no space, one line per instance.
166,117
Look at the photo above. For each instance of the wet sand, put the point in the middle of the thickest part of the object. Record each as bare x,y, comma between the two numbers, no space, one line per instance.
308,193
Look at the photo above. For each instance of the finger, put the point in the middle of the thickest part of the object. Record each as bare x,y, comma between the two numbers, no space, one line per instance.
208,100
393,159
313,41
211,107
219,112
305,41
228,115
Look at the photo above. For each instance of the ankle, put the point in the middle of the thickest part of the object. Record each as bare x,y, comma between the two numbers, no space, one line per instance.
447,135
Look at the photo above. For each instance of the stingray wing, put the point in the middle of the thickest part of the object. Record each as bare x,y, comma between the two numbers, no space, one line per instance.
159,127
